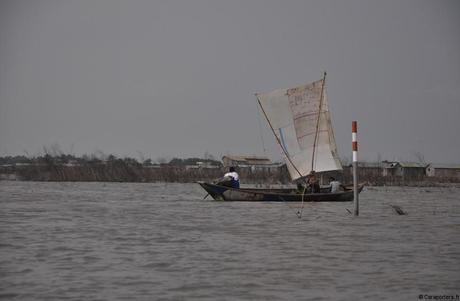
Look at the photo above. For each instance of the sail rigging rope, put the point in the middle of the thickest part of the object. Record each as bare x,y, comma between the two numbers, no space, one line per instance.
300,212
260,130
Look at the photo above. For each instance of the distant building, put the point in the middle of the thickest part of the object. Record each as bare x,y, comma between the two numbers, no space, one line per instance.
251,163
443,170
22,164
72,163
245,161
366,169
389,168
401,169
188,167
413,169
207,164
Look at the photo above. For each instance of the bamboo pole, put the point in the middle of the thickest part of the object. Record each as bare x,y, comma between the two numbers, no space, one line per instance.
317,122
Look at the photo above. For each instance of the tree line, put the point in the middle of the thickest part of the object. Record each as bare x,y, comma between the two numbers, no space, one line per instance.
68,159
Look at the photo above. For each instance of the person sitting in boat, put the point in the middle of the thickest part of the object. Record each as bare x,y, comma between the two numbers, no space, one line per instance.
335,185
313,183
230,179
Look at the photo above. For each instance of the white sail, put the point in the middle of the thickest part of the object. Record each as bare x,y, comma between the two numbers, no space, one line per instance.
302,128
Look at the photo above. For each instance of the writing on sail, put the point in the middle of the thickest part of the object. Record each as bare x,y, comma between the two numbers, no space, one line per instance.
304,102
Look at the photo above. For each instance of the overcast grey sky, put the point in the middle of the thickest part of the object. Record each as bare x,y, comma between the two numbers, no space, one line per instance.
177,78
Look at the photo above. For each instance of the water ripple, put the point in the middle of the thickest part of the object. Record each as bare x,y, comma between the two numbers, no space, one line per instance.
116,241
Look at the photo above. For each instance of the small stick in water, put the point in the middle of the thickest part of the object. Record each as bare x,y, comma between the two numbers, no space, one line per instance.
398,210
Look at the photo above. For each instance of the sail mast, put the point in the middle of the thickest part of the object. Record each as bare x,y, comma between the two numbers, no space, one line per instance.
317,123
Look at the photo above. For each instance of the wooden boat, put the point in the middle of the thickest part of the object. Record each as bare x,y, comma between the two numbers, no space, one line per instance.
300,121
223,193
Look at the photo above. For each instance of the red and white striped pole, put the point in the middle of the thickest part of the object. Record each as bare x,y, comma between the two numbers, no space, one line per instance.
354,132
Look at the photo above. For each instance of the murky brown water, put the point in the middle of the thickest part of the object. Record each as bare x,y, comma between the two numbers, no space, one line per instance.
112,241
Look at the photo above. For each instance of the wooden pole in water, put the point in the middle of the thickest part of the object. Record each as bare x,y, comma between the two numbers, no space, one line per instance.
354,131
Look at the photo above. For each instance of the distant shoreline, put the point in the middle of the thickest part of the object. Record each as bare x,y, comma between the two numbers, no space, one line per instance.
185,174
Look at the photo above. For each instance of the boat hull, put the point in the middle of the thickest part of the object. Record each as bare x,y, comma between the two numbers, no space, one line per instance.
223,193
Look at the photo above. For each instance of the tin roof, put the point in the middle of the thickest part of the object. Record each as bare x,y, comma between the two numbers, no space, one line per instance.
389,164
403,164
247,160
413,164
444,166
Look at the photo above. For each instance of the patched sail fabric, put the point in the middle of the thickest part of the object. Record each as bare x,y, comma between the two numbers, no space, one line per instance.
301,122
